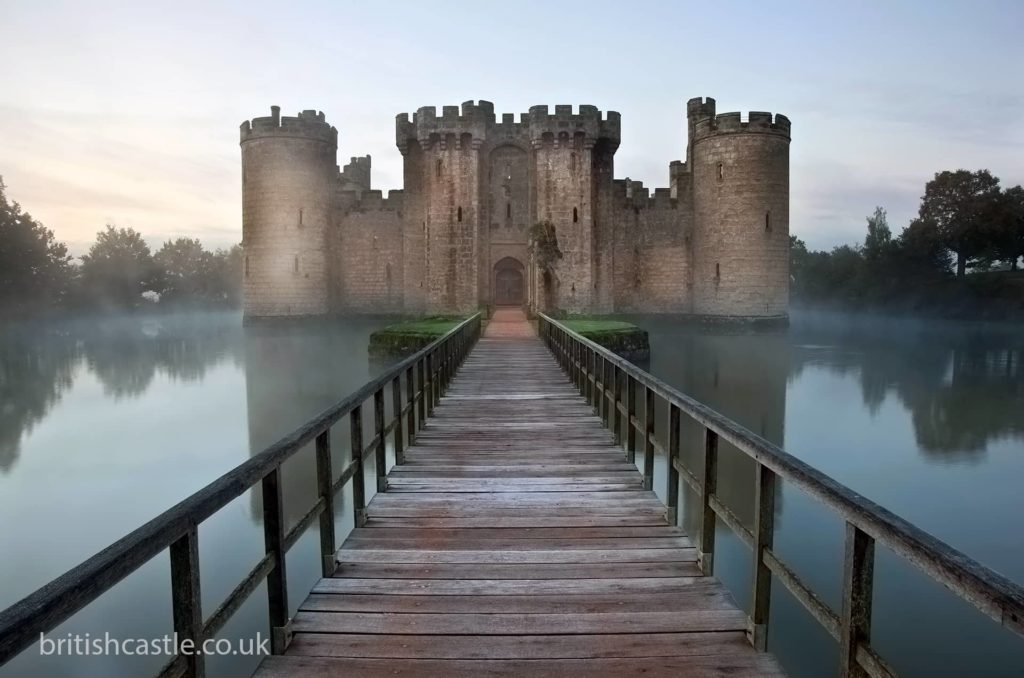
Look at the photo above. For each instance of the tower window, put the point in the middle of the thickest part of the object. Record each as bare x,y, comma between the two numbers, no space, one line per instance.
575,215
721,171
459,215
767,222
508,210
300,217
247,267
295,264
439,168
718,271
572,161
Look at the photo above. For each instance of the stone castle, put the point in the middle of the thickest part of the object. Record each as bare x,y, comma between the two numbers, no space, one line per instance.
318,239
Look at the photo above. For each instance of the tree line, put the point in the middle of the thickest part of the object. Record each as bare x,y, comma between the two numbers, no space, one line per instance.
960,252
119,272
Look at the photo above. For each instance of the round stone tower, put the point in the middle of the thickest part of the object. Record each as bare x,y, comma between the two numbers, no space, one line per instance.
741,212
288,172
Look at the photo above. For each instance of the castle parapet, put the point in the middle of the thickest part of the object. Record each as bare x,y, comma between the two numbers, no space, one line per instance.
426,126
758,122
588,122
309,124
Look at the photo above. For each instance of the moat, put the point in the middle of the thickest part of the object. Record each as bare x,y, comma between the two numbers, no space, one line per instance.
922,417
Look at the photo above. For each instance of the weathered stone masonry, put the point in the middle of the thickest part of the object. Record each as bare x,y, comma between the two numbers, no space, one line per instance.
319,240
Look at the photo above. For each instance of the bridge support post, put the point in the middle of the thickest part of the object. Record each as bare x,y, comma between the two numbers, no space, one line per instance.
277,579
706,556
764,531
355,420
380,453
855,622
672,494
186,601
648,438
325,488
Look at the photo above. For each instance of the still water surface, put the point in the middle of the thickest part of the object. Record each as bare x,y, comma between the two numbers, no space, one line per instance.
104,426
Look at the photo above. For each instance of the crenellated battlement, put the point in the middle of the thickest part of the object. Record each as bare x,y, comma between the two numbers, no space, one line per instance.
633,194
588,121
757,122
477,119
308,124
426,127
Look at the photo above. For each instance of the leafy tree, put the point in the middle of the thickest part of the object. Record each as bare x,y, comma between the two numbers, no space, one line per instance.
962,205
119,268
878,241
1009,240
35,268
228,266
188,271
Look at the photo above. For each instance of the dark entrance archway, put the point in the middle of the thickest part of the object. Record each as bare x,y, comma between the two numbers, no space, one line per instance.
509,282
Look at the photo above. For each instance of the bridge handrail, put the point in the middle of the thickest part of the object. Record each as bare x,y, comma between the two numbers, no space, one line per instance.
427,374
589,364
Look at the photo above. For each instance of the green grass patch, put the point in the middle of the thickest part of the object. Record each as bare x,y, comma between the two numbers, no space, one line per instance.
622,338
407,337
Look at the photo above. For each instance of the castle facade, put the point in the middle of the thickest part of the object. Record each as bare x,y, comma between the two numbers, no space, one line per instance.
318,239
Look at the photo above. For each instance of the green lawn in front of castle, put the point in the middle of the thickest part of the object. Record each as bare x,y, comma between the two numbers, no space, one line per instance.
407,337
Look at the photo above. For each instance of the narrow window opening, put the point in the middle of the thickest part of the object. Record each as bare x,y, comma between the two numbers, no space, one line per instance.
295,264
718,270
767,222
438,168
508,210
300,217
572,161
247,267
459,215
721,171
575,215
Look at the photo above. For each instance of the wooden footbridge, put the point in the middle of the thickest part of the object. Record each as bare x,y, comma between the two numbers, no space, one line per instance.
515,535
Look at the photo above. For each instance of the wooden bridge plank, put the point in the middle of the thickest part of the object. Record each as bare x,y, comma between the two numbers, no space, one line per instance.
517,540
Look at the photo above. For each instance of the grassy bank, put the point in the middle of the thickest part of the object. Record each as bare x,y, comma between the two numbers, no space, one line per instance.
622,338
409,336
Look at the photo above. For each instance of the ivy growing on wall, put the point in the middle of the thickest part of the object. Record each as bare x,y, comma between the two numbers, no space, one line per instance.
544,245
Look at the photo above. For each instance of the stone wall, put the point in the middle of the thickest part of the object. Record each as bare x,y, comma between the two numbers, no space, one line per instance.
369,275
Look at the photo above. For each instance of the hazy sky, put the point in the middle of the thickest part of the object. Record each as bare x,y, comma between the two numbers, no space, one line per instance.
128,112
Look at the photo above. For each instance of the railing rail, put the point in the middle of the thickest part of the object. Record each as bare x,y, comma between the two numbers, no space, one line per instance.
588,365
427,373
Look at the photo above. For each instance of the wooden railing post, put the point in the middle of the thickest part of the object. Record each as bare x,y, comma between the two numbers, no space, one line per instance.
588,356
358,477
630,416
706,555
422,393
648,438
381,448
616,403
764,531
858,577
410,397
672,494
428,392
277,579
396,412
325,488
186,606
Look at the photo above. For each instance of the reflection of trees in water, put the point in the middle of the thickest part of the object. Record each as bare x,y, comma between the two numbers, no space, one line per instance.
739,372
126,353
37,364
36,368
963,386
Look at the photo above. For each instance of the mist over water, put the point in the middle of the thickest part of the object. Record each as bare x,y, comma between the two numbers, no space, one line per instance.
104,424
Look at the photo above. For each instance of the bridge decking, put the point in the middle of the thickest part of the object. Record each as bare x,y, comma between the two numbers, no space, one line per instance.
517,540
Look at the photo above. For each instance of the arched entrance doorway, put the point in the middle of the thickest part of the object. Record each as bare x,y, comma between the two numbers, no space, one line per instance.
509,282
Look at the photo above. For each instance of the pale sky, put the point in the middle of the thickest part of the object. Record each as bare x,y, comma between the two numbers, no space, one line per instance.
128,112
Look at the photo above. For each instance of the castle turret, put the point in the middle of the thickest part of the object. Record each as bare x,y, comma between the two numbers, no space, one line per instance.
288,171
443,179
741,212
572,165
